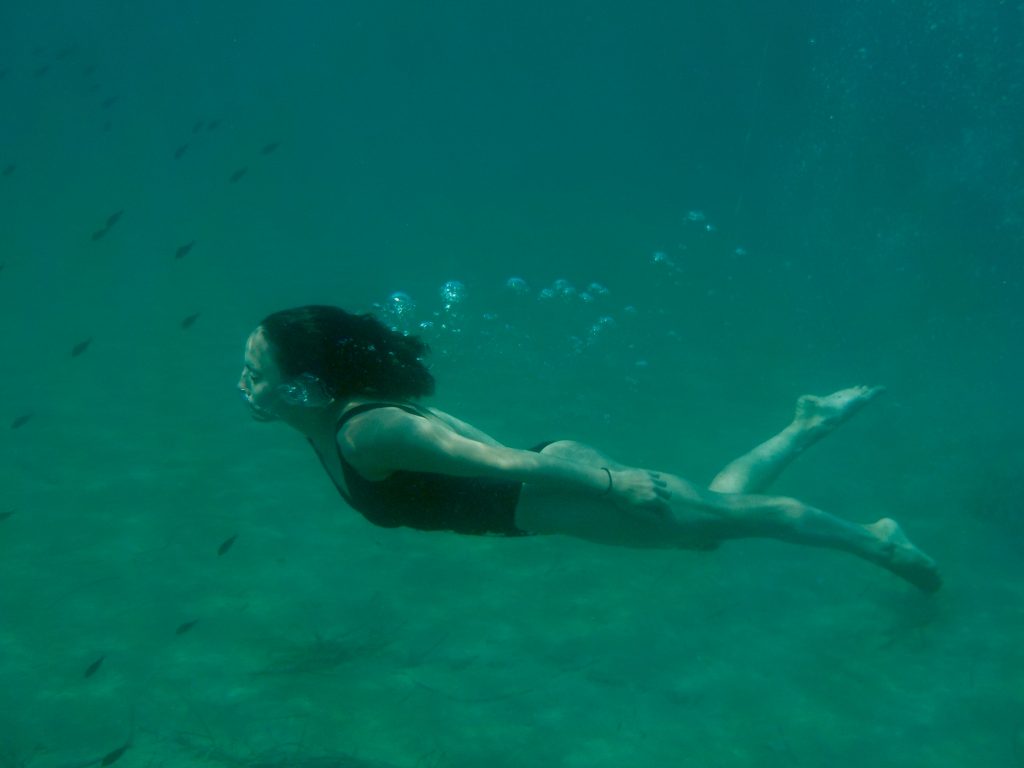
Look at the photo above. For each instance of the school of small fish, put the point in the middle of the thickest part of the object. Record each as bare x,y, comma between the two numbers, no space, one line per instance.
110,221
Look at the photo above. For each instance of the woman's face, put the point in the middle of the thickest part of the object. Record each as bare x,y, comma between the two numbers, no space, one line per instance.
260,378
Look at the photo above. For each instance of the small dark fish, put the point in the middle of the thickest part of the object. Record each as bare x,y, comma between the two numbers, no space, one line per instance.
189,321
113,218
108,102
238,174
112,757
268,148
91,669
7,515
80,347
9,169
183,250
180,151
21,421
197,127
183,628
40,71
99,233
226,544
213,125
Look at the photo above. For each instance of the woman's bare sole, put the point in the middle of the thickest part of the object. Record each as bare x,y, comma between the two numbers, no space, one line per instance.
901,557
823,414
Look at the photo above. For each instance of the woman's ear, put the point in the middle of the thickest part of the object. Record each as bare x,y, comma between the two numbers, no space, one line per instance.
305,390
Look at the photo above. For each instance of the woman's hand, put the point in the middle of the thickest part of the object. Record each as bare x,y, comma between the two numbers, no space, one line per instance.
640,493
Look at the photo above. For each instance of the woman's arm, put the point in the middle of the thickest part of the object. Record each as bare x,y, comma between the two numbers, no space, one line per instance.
389,439
464,429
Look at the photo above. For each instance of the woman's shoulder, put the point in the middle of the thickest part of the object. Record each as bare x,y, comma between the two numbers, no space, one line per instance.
392,412
367,411
368,431
463,428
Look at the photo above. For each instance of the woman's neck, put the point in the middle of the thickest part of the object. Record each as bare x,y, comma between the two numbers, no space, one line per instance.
318,424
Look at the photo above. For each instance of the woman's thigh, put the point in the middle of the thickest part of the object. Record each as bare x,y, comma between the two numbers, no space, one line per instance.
584,516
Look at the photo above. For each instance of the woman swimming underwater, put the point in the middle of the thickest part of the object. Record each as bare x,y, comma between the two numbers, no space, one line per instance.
349,385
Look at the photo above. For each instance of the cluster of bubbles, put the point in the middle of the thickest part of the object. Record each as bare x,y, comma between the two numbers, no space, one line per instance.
561,323
582,314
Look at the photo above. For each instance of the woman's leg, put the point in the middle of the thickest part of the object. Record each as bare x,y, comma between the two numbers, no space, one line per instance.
815,417
701,518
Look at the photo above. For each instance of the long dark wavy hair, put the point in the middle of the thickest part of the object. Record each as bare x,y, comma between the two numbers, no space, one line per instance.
351,354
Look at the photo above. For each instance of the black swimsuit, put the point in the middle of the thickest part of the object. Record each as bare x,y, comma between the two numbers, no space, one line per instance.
429,501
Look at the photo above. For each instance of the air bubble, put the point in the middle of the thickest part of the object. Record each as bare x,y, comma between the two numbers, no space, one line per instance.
452,293
601,328
401,304
517,286
564,289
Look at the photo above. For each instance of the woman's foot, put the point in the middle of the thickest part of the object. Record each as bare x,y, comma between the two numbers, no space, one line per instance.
820,415
898,555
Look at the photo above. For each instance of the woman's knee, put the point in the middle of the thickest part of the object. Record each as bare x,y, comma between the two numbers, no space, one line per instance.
741,516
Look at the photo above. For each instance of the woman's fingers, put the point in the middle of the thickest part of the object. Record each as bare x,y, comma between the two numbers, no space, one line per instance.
642,489
660,486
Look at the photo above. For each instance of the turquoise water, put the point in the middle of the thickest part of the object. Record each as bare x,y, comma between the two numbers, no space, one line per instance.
777,200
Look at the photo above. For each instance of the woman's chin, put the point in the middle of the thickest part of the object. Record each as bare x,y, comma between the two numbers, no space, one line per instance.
258,413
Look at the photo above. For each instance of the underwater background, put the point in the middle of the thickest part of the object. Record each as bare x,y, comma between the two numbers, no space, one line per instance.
710,208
